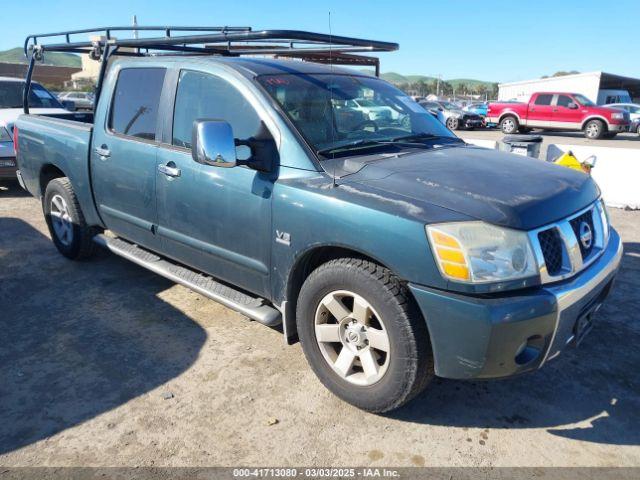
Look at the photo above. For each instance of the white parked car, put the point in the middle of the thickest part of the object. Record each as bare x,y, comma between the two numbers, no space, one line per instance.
41,102
81,100
371,110
634,113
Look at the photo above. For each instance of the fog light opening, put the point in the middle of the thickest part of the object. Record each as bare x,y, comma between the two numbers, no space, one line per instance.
529,350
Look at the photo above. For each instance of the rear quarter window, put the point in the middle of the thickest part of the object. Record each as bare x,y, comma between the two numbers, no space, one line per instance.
136,100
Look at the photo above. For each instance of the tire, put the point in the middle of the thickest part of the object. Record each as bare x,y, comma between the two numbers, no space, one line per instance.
401,372
453,123
69,231
594,129
509,125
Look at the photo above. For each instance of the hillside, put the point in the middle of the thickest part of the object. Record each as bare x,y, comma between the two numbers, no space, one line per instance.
16,55
397,78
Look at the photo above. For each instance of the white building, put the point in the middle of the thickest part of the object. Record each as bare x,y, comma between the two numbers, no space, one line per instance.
600,87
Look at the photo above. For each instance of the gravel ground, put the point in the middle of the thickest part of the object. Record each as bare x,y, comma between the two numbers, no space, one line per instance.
105,364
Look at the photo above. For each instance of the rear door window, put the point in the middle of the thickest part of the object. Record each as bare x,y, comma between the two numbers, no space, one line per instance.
543,99
134,111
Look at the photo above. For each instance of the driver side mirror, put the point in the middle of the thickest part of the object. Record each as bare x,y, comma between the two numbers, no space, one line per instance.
573,106
212,143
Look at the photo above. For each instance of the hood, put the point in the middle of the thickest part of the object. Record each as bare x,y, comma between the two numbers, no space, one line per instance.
10,115
607,111
496,187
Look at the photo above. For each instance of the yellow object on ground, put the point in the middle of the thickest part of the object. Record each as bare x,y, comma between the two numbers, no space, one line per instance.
569,160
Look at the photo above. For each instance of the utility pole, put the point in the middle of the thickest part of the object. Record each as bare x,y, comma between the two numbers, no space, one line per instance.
135,24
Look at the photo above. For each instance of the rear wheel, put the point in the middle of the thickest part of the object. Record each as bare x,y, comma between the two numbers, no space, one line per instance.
594,129
69,231
363,335
509,124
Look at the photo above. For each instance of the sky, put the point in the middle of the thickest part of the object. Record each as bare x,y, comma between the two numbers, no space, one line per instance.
491,40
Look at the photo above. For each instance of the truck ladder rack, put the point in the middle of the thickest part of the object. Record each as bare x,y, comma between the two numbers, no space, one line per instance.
225,41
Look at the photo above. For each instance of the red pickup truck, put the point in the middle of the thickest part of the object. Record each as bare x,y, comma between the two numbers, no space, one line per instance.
559,111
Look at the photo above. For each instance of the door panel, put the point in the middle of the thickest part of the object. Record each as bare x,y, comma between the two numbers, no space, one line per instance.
124,188
540,113
217,220
124,157
565,116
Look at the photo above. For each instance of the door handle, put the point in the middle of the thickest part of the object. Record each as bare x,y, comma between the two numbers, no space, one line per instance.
169,170
103,152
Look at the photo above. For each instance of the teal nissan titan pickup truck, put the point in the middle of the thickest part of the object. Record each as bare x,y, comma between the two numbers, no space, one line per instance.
391,249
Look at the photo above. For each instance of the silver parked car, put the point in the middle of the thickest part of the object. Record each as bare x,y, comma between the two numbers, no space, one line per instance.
455,117
81,100
7,153
634,114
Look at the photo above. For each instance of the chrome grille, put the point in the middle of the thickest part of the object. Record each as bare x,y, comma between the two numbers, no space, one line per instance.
577,223
561,248
551,245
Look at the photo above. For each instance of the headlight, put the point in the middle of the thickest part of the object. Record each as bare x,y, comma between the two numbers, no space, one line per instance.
476,252
617,116
604,218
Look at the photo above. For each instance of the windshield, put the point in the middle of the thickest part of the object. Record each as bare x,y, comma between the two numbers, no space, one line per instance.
39,97
584,101
322,108
450,106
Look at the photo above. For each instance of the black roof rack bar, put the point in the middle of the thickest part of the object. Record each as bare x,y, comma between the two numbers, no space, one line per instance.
106,31
217,43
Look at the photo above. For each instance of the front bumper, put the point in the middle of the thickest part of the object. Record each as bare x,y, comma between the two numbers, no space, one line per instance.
618,127
471,122
516,332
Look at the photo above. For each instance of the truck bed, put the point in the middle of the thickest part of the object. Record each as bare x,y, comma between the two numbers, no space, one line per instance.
48,143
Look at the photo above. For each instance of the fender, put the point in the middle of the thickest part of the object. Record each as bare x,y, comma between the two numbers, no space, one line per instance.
510,113
594,117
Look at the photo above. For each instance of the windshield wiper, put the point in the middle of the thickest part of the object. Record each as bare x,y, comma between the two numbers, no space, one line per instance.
358,144
424,136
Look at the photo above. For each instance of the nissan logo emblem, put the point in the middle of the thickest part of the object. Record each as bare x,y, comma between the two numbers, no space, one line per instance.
586,236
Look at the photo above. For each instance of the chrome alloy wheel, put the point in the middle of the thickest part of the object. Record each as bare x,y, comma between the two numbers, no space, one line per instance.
508,125
593,130
352,337
61,220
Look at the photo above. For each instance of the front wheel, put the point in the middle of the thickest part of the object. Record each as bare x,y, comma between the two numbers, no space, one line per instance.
594,129
363,335
69,231
453,123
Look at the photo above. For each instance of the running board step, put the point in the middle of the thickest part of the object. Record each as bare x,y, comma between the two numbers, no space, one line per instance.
252,307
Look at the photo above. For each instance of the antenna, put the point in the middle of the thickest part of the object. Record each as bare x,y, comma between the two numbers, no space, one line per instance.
332,119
